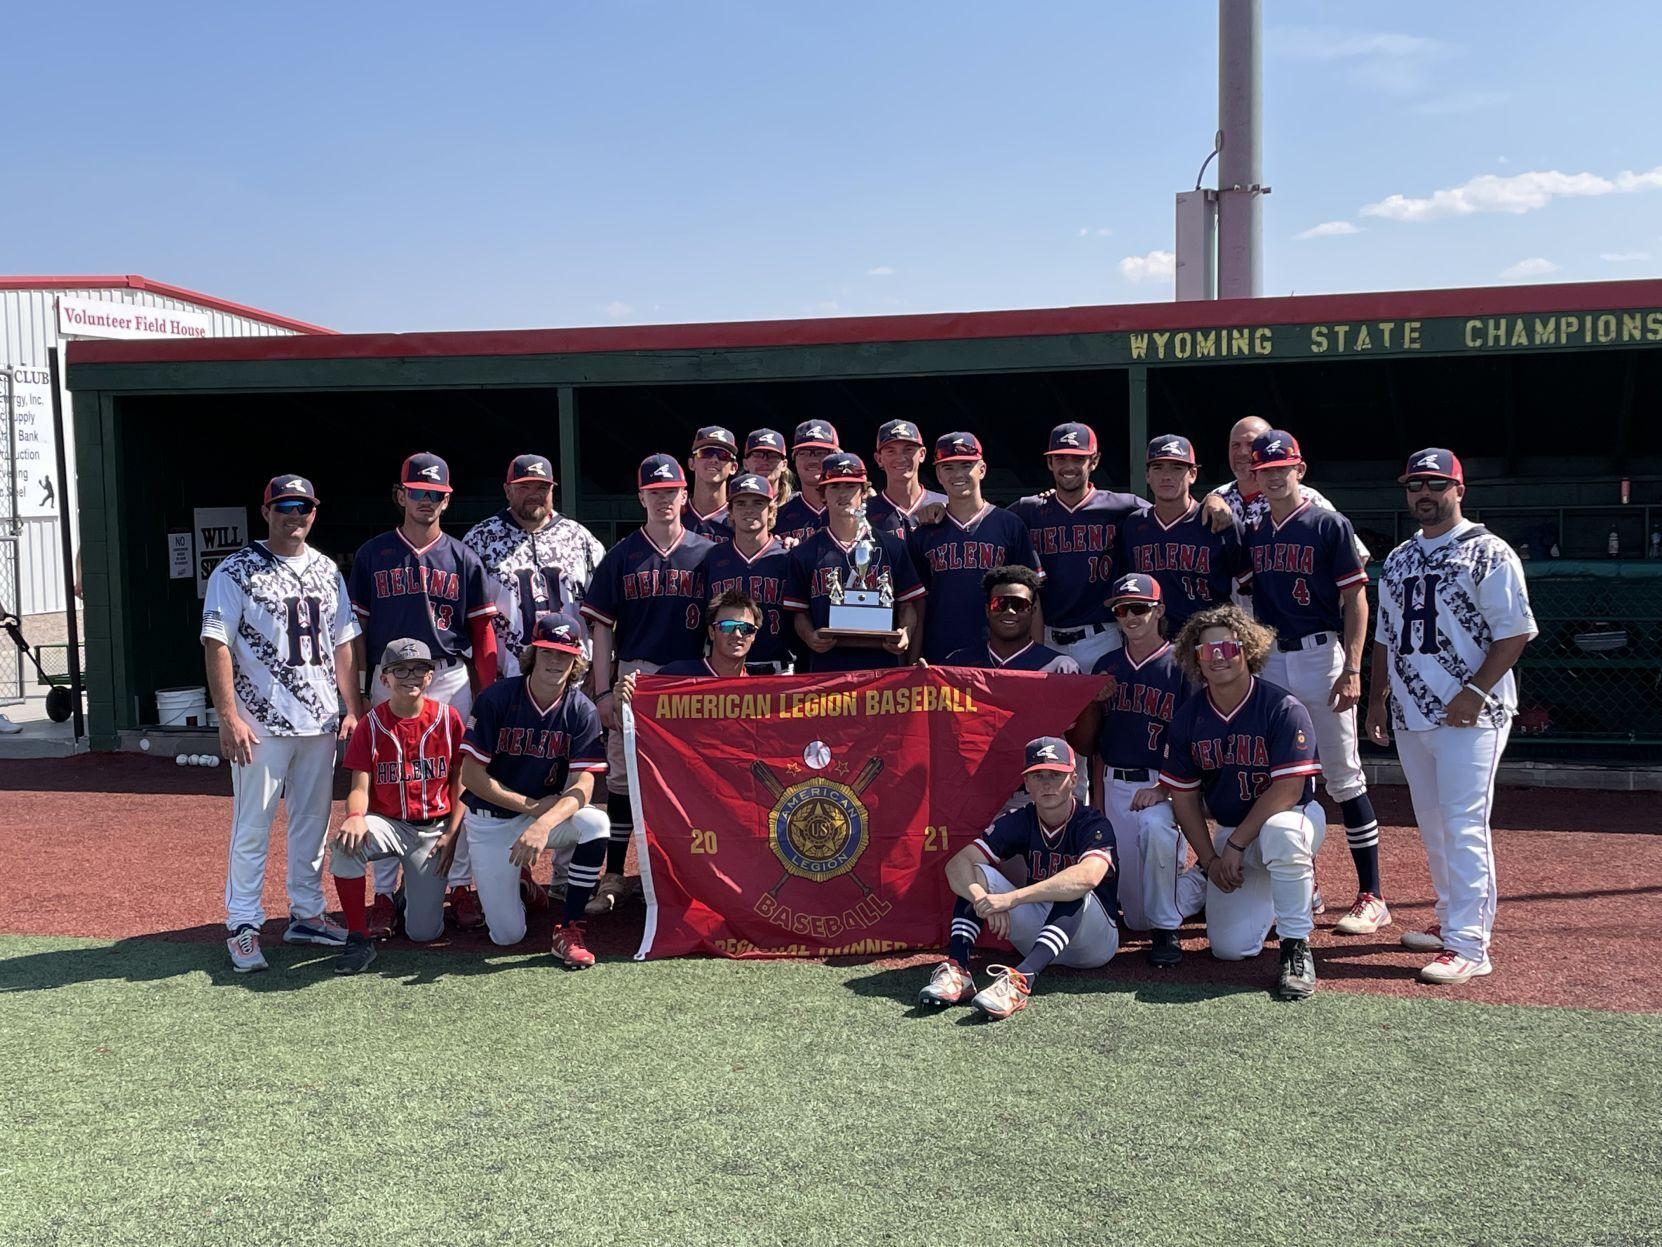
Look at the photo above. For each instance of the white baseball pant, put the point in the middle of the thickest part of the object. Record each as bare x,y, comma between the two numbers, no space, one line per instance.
1128,843
1093,944
1278,879
492,837
1308,674
1166,892
409,843
617,770
1451,780
450,685
300,770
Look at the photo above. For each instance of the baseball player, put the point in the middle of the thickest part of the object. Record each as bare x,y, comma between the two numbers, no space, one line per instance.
824,560
419,582
277,634
953,554
734,626
900,455
533,749
1454,618
804,514
646,605
404,802
756,563
1196,564
764,455
1310,587
536,560
1075,530
715,458
1012,594
1128,726
1052,901
1247,749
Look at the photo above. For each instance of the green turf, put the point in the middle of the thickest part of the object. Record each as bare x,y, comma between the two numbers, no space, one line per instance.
150,1096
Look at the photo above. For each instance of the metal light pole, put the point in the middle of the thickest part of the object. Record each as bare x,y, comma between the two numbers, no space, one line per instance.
1240,215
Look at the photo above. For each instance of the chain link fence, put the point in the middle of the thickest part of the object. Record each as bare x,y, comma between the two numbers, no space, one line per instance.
11,658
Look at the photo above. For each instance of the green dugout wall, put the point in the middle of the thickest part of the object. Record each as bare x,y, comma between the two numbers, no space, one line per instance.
1550,394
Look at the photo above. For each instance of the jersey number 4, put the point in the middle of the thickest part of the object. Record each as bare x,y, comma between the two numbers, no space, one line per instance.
1419,605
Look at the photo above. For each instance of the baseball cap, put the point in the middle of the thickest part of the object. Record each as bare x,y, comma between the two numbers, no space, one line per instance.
715,435
812,433
407,649
1072,439
530,468
954,447
1433,461
898,431
1275,449
1049,753
1135,587
425,471
559,630
842,466
289,486
765,439
751,484
661,472
1171,448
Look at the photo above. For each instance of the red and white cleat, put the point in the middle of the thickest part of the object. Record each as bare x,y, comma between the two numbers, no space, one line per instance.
1450,968
465,910
569,948
951,984
1366,916
1008,993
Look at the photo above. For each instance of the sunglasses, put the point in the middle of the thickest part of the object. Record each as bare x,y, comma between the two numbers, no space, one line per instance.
1139,609
1218,651
424,495
1010,605
405,673
713,452
1437,485
294,506
736,627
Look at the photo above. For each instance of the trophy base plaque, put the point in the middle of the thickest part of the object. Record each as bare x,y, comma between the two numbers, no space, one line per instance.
861,619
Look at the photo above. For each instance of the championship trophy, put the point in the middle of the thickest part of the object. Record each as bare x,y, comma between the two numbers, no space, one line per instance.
862,607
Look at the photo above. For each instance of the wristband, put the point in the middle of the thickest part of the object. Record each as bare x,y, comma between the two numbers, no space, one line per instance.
1239,848
1472,688
1353,671
605,692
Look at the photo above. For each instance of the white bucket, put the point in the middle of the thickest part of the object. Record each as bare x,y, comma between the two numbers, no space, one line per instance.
182,707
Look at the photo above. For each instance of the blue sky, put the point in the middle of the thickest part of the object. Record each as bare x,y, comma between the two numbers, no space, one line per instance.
396,167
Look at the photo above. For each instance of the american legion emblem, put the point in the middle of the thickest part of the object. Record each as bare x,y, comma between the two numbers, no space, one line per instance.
818,828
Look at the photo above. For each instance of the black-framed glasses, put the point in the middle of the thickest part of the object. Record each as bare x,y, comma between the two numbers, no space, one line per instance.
294,506
1139,609
1436,484
736,627
1010,604
411,672
424,495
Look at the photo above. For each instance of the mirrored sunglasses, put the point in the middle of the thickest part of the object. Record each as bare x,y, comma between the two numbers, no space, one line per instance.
1437,484
736,627
1218,651
1139,609
713,452
294,506
424,495
1010,604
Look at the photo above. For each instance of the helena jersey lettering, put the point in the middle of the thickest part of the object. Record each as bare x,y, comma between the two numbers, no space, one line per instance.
799,518
763,578
1231,758
1195,566
1081,552
428,594
1299,568
530,573
1138,714
886,516
653,599
530,749
1086,834
951,558
411,763
821,561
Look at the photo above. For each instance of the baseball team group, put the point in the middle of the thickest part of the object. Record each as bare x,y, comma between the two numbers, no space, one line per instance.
1232,627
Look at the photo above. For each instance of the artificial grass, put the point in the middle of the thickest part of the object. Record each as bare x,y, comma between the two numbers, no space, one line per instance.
148,1095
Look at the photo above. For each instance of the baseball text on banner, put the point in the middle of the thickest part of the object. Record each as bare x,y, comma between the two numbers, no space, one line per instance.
813,815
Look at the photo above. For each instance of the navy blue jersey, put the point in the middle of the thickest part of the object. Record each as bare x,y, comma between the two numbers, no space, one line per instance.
952,558
716,526
764,578
822,559
1030,657
886,517
799,518
531,749
1086,834
1195,566
1298,568
699,667
1080,549
427,595
1232,758
653,599
1139,711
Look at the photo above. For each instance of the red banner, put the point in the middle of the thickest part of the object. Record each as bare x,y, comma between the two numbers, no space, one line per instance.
814,815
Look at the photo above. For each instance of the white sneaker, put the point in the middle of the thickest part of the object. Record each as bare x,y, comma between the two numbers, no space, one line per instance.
951,984
244,947
1451,968
1366,916
8,728
1429,940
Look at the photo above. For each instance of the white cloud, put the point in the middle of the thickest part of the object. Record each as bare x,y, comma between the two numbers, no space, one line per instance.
1104,232
1623,257
1536,266
882,270
617,309
1151,267
1516,194
1329,229
1084,230
1397,64
1461,102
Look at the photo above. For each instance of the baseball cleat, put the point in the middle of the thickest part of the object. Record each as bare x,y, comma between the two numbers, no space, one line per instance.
1317,904
951,984
531,892
382,915
244,946
1007,994
1297,978
1429,940
357,956
606,896
1163,949
1366,916
318,930
568,946
465,910
1451,968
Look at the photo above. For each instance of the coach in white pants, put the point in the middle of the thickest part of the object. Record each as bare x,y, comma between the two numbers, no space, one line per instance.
277,630
1454,618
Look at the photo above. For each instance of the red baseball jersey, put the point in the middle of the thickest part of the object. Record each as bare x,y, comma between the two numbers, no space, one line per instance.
410,762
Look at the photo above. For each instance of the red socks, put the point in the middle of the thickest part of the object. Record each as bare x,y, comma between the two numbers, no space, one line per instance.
351,893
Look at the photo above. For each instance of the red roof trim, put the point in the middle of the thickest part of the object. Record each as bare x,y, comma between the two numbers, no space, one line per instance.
1036,322
132,281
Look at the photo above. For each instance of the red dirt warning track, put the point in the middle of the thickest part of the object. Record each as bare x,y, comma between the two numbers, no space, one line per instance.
116,846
